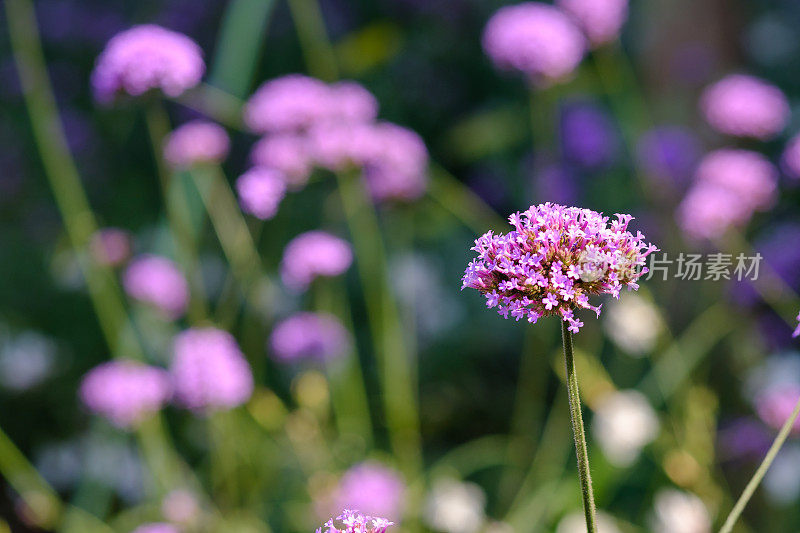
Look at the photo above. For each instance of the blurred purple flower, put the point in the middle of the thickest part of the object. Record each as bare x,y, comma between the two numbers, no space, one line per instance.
781,259
156,280
110,246
536,39
196,142
744,438
261,191
125,392
553,260
669,155
797,329
790,159
317,336
159,527
730,185
374,488
209,370
745,106
314,254
601,20
775,405
588,137
147,57
288,153
396,169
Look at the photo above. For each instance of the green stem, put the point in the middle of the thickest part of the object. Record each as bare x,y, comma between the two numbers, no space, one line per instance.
394,362
310,24
727,527
578,431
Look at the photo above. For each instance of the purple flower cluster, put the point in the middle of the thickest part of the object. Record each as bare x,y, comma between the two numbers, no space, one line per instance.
730,185
775,405
745,106
313,254
536,39
261,191
790,159
209,370
196,142
553,260
147,57
600,20
158,281
307,123
316,336
125,392
372,488
355,522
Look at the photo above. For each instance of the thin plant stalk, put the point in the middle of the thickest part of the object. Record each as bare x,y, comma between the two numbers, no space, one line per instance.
783,434
310,25
578,431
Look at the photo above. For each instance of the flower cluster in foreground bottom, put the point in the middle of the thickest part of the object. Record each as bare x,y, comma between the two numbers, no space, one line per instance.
355,522
554,259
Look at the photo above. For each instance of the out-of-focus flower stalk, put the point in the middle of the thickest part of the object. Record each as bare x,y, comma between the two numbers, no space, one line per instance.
310,25
752,485
395,363
177,209
72,202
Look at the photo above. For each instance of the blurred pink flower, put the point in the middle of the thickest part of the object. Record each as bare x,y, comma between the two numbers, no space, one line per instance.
110,246
147,57
745,106
730,185
261,191
797,329
372,488
316,336
209,370
196,142
314,254
125,392
776,405
536,39
156,280
156,528
288,153
180,506
601,20
790,160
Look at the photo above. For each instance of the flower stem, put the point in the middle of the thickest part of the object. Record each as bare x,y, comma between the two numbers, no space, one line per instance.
727,527
578,431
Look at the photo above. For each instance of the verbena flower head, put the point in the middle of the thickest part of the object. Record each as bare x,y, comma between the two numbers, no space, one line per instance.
554,259
374,489
600,20
745,106
111,246
355,522
536,39
156,280
125,392
776,404
730,185
197,142
314,254
296,102
316,336
209,370
261,191
790,159
159,527
147,57
288,153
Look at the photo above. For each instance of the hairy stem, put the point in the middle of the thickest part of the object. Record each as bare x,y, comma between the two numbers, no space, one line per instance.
578,431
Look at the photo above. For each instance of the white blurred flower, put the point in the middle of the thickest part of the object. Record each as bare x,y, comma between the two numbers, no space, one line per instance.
576,523
774,372
675,511
455,507
623,424
633,324
782,481
26,359
180,506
